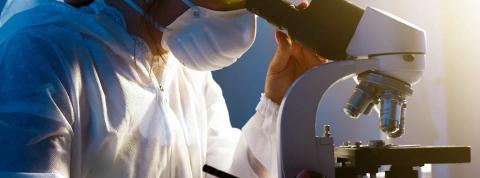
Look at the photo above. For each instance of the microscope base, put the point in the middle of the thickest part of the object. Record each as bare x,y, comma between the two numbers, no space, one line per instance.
359,160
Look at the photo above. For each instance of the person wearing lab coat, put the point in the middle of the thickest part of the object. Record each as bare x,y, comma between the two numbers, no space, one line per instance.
124,89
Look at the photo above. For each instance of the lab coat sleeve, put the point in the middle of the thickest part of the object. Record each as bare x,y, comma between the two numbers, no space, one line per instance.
35,110
254,151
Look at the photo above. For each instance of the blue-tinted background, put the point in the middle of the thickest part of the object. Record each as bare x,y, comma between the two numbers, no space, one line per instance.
243,82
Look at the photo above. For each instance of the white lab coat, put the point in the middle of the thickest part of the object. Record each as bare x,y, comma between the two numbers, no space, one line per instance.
78,99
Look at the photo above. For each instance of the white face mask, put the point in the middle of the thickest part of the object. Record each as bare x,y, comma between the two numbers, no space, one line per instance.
206,40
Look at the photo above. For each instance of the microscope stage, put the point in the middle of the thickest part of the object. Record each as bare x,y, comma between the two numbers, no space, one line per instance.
404,155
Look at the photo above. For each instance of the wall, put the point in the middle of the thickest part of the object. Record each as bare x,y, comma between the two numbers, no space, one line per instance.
462,24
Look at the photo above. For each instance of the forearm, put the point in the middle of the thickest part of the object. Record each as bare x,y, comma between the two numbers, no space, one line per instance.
256,153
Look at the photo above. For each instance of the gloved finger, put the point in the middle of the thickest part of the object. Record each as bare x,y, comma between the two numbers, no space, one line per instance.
282,55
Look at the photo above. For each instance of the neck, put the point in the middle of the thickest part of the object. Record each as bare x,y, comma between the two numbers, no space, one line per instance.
137,24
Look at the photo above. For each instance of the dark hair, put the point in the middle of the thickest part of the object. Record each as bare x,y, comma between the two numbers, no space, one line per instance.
151,10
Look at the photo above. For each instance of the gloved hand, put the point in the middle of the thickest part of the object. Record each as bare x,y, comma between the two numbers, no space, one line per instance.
290,61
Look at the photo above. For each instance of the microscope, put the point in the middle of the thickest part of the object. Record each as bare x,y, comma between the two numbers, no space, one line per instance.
385,54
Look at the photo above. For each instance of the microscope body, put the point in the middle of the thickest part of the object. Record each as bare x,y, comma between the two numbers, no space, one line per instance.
385,54
384,51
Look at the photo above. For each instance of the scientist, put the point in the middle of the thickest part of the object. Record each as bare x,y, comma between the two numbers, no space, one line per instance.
122,88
